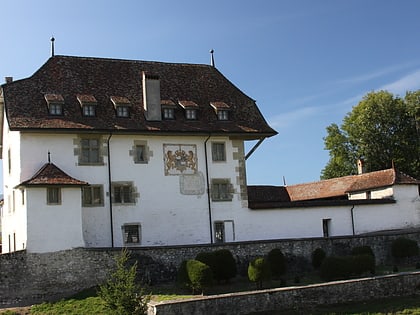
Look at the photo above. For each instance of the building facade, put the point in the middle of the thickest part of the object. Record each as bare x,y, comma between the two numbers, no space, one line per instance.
111,153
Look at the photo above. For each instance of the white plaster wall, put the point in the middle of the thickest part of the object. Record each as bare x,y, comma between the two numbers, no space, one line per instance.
291,223
14,218
54,227
405,213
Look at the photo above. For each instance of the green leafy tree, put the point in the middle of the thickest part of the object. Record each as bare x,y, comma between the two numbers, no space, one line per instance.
199,274
383,129
121,293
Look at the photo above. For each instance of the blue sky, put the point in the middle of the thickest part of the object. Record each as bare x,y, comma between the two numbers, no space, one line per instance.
305,62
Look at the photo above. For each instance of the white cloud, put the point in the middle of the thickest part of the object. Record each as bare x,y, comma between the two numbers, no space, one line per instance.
409,82
291,118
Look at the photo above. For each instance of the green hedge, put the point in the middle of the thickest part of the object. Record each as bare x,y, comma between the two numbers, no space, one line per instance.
318,256
404,247
344,267
277,262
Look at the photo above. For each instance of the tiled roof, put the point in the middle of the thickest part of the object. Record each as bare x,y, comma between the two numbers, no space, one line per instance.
333,191
99,78
340,186
50,174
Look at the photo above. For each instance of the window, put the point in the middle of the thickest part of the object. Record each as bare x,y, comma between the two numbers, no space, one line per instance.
368,195
90,151
223,115
218,151
23,196
219,232
92,196
221,190
131,234
168,113
140,153
53,195
56,109
89,110
326,227
191,114
122,193
122,111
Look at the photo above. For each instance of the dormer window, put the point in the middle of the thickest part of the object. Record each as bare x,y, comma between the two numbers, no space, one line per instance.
190,114
221,109
190,109
55,104
223,115
122,106
168,113
168,109
88,104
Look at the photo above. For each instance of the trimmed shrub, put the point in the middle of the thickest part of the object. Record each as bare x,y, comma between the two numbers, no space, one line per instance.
335,268
318,256
259,271
199,274
362,250
221,262
182,278
362,264
277,262
403,247
225,265
344,267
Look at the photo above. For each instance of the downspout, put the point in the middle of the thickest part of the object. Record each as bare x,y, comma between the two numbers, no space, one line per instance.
254,148
352,219
110,191
208,189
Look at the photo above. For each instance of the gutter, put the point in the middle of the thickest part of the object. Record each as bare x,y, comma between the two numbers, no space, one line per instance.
110,190
352,219
208,189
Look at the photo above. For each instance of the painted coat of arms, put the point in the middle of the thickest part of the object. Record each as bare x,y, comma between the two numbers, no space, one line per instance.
180,159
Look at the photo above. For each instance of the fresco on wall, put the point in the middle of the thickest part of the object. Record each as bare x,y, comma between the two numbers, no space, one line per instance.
180,159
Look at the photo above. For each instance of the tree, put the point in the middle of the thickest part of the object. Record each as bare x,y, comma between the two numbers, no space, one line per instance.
121,293
383,129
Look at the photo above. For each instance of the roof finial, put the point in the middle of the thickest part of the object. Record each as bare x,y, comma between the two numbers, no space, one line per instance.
49,157
212,58
52,46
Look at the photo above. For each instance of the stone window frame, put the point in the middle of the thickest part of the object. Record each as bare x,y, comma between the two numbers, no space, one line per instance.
53,195
147,153
78,150
216,148
134,227
122,186
91,189
221,189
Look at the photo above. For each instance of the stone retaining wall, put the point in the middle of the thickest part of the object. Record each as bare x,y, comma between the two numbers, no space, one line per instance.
300,299
27,278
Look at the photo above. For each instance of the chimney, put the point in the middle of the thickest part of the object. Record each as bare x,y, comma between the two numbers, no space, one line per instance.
8,79
151,97
361,168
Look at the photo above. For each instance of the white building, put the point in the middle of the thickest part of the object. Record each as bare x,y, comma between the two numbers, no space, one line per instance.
110,153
